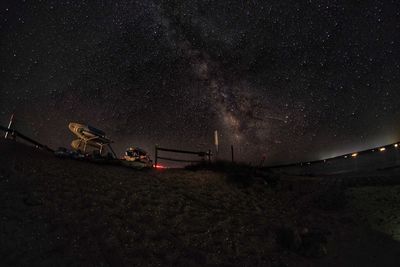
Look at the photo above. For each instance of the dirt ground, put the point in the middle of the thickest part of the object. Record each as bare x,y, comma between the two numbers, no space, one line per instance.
70,213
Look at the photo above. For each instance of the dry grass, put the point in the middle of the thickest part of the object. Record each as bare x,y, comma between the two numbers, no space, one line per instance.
64,212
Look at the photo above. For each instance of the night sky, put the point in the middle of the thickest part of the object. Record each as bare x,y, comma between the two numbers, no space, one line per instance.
292,80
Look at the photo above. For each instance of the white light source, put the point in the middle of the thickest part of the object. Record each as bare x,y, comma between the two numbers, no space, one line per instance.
382,149
396,145
354,155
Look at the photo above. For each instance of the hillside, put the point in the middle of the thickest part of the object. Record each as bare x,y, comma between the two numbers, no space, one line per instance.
70,213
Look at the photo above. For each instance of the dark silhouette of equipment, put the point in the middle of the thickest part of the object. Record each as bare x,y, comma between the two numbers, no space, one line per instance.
89,136
15,134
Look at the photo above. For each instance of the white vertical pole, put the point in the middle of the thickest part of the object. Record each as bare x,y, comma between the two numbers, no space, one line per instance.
216,141
9,125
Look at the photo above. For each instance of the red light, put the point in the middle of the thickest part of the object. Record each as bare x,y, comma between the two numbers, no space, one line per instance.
158,166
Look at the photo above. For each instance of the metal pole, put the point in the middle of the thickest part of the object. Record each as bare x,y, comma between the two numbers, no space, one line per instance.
155,156
216,141
232,154
112,151
262,160
9,125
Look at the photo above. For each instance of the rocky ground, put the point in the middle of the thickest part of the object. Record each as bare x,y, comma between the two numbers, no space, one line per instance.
70,213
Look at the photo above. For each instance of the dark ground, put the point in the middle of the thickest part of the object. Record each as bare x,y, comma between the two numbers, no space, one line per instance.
69,213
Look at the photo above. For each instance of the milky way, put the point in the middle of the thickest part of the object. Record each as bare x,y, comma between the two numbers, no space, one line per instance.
286,79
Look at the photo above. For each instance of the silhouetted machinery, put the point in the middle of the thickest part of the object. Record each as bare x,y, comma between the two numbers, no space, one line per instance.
137,157
89,137
95,140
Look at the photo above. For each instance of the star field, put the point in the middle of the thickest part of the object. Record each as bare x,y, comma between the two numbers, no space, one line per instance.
291,80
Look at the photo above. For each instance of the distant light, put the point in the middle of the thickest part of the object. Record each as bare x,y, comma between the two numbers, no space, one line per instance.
396,145
354,155
382,149
345,157
158,166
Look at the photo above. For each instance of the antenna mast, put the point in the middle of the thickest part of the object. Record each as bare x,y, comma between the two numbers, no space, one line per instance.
9,125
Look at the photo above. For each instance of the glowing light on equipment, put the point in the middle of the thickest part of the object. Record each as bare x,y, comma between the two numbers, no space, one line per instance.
354,155
159,166
382,149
